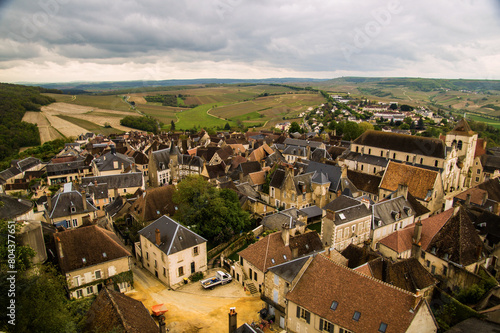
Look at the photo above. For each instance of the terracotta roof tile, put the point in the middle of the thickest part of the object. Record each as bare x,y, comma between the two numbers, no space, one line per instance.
420,181
401,240
325,281
93,243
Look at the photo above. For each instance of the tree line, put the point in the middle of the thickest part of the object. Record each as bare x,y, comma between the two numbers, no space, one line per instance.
15,100
141,123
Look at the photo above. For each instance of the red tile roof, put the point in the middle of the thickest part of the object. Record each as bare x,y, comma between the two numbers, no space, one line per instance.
401,240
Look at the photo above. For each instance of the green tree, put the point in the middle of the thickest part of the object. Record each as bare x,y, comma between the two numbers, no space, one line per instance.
227,127
214,214
172,126
294,128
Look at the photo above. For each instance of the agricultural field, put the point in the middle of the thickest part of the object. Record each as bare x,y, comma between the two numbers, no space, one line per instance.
89,126
110,102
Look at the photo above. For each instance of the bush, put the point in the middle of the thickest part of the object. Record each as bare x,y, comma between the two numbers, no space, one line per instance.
196,276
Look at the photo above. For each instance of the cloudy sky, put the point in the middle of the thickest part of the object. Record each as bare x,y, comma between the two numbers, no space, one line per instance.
95,40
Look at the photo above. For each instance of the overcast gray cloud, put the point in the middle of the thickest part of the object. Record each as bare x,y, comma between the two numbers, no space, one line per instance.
68,40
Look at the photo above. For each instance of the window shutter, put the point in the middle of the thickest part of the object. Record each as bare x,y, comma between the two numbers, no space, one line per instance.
308,317
331,328
320,324
298,311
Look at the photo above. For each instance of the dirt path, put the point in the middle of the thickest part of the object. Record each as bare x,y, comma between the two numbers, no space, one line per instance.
192,308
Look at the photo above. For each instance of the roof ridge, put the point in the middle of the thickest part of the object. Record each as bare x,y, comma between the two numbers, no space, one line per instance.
116,307
369,277
173,237
102,231
267,250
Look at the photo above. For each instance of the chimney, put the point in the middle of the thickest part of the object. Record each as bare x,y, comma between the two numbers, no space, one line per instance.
330,214
285,234
113,150
59,246
157,236
402,190
467,199
115,192
344,172
232,320
485,197
417,233
308,152
84,200
49,202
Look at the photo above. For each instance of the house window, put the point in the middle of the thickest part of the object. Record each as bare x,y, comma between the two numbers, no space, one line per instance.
255,276
303,197
90,290
436,163
97,275
477,179
325,326
422,255
374,169
354,228
75,223
343,330
195,251
276,280
339,234
156,263
427,263
79,293
164,271
272,192
445,270
147,255
77,280
181,271
369,151
303,314
394,155
382,328
407,158
124,190
334,305
421,160
433,269
361,167
241,261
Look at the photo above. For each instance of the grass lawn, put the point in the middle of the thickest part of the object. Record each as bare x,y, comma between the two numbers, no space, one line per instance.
90,126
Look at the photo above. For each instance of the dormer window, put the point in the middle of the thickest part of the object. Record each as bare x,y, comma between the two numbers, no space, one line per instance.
334,305
395,215
356,316
382,328
73,209
407,210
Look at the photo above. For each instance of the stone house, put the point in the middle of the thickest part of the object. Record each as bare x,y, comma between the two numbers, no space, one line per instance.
90,258
112,163
345,303
346,221
274,249
69,209
425,185
171,251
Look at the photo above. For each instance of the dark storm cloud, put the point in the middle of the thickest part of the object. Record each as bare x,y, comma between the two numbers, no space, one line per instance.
299,36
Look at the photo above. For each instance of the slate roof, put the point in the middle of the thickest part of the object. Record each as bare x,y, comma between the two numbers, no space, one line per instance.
278,178
112,311
216,171
341,202
249,167
115,206
99,191
333,173
458,239
62,203
27,163
383,211
122,180
12,207
312,211
174,236
73,166
365,158
490,163
289,270
403,143
190,160
106,162
401,240
95,244
295,151
9,173
420,181
325,281
161,158
319,154
248,190
276,221
303,143
408,274
477,196
271,248
491,186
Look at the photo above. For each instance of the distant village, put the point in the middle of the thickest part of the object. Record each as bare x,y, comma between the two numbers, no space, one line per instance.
349,236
